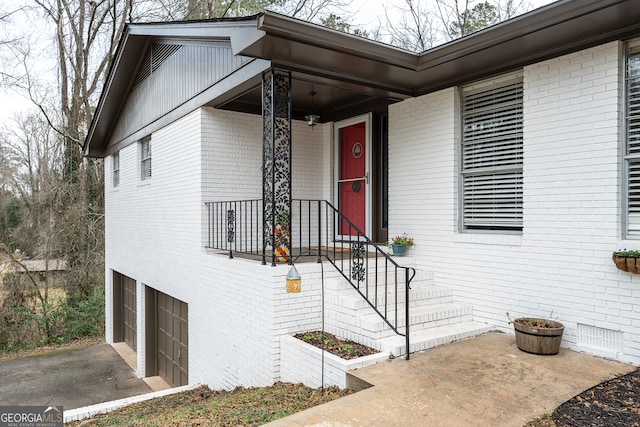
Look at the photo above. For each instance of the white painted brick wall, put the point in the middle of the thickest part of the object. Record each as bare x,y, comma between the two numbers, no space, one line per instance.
304,363
232,157
154,233
560,266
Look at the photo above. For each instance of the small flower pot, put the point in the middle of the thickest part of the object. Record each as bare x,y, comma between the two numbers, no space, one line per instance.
399,250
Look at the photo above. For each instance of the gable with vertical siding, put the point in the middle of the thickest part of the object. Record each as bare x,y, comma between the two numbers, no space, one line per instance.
182,71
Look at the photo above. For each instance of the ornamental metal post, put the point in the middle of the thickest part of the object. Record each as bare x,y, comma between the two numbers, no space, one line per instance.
276,165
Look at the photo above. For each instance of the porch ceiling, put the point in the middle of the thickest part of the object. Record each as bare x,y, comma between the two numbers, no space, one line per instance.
333,101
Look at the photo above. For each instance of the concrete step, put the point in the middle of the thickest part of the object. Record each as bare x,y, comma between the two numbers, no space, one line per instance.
424,317
339,283
423,339
434,317
372,326
418,296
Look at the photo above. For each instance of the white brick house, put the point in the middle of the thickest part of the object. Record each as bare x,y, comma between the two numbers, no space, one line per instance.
509,156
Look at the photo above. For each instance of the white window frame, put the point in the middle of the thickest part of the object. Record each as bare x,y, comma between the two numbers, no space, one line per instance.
145,158
491,155
631,133
116,169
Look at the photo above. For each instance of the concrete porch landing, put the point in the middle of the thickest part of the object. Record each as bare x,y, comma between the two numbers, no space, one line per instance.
482,381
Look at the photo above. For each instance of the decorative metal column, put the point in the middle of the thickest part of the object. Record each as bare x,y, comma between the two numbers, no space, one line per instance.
276,164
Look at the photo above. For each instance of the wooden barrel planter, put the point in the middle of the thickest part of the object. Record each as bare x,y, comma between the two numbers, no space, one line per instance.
538,336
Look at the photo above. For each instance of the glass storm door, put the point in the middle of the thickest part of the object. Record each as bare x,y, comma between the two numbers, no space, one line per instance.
353,177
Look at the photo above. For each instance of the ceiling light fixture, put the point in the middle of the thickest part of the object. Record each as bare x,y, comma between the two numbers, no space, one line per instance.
311,118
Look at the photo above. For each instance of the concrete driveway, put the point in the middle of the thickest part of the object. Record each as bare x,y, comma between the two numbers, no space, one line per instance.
73,378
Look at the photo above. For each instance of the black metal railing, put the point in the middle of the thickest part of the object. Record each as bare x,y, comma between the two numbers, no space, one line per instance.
316,226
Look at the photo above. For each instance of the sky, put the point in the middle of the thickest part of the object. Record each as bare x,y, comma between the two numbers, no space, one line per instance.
365,14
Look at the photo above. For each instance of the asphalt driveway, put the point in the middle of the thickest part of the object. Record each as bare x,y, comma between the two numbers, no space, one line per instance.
72,377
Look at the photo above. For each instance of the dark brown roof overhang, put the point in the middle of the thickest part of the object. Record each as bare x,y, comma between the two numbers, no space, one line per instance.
559,28
341,60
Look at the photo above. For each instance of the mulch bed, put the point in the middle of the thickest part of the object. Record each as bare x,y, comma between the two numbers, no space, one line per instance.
613,403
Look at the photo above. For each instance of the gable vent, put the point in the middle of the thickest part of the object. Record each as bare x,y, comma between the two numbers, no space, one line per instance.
153,59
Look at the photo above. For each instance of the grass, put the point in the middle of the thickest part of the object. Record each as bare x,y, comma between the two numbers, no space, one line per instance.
202,406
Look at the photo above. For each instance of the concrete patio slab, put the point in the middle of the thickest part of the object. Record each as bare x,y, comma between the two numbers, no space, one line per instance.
483,381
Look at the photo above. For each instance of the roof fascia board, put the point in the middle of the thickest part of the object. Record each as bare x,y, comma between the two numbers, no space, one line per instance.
315,35
127,43
238,32
196,29
537,20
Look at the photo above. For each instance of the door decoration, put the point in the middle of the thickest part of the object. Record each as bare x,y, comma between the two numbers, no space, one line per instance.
356,150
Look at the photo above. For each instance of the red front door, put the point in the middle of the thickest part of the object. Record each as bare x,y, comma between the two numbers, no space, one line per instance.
352,179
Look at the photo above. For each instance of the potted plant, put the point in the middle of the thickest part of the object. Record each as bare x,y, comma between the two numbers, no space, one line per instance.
538,336
627,260
281,235
400,244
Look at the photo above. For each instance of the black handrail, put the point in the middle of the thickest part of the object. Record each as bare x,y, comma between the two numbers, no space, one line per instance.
237,227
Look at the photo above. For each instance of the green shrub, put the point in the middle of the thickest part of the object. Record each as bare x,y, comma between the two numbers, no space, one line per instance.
84,315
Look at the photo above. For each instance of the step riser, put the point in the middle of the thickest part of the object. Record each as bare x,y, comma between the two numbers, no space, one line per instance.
397,346
372,326
365,309
358,306
339,281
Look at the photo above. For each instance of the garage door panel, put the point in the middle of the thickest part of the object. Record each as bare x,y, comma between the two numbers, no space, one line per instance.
176,328
184,329
162,364
173,343
129,311
185,358
162,340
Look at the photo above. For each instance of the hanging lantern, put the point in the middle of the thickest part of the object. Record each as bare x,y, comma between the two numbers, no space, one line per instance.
294,281
312,119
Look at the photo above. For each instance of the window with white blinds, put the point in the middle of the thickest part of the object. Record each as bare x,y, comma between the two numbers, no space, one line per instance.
632,131
145,155
491,158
